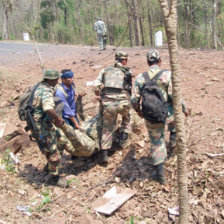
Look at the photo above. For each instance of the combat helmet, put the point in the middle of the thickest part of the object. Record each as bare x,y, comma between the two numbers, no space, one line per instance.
121,55
51,74
153,55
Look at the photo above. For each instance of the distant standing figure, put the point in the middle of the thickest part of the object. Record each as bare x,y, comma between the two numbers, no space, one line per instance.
101,30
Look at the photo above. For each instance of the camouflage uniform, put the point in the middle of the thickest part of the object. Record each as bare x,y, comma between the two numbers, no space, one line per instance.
114,100
156,130
43,101
100,27
53,142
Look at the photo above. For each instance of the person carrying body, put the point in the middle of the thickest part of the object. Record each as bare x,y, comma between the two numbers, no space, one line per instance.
113,87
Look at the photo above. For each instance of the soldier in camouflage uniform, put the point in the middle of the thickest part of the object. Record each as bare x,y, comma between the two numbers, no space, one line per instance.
46,120
156,130
101,30
113,85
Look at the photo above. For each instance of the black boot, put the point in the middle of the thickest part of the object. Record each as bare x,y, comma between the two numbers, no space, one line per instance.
171,145
123,139
56,180
103,157
158,174
73,157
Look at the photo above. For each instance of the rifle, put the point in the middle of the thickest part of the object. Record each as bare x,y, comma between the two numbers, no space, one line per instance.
35,136
127,79
28,110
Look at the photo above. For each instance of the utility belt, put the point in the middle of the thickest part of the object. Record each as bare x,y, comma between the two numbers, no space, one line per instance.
109,90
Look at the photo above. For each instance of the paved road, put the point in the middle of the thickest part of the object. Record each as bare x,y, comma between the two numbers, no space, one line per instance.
15,53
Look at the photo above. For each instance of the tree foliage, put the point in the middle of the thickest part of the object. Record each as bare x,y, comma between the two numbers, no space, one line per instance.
129,22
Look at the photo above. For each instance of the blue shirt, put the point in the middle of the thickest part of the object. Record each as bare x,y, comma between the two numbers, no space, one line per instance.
69,109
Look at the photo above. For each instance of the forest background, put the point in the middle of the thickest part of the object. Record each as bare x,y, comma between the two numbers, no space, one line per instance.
129,22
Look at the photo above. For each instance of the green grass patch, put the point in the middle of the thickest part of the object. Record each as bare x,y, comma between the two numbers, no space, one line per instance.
7,162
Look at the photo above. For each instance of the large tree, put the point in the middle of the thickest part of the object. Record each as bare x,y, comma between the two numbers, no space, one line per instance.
7,8
169,9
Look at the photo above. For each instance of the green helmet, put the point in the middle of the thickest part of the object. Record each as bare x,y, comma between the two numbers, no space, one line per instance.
121,55
51,74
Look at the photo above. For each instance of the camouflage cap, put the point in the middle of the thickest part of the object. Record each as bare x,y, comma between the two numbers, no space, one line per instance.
153,55
121,55
51,74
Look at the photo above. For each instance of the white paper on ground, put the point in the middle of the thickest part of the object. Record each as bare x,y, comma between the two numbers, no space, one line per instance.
90,83
212,155
112,200
174,211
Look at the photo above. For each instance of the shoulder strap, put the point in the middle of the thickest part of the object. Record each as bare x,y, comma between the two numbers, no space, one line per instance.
146,77
156,77
30,102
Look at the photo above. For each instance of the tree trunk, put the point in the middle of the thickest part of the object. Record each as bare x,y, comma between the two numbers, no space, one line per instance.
129,24
136,25
169,11
142,33
186,24
108,23
5,28
206,24
214,12
150,25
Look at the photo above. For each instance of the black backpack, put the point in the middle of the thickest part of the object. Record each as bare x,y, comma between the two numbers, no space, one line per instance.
154,107
26,101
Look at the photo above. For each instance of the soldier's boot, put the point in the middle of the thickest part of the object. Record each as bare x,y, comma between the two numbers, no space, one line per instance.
158,174
123,140
171,145
46,169
103,157
73,157
56,180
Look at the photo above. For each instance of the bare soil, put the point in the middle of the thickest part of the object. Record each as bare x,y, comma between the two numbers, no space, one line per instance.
202,76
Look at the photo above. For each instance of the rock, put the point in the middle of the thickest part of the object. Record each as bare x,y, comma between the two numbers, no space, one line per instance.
18,139
209,83
11,128
215,79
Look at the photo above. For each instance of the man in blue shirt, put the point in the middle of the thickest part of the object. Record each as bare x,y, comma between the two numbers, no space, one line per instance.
67,93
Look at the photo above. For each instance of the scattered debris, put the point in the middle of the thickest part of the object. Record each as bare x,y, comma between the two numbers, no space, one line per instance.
97,66
2,129
174,211
215,79
14,158
112,200
24,209
90,83
141,144
212,155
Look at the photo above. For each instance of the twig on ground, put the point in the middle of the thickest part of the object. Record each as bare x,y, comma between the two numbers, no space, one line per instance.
102,183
